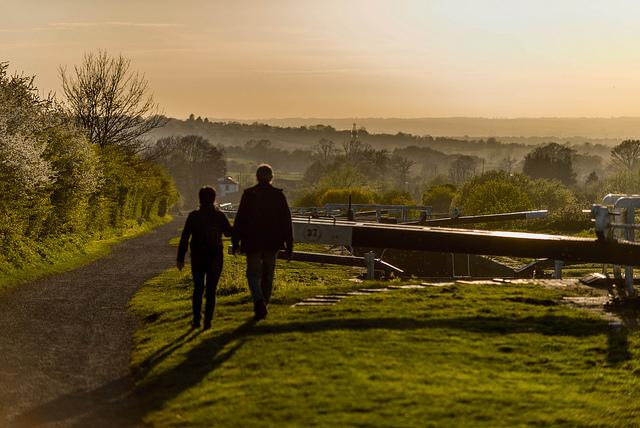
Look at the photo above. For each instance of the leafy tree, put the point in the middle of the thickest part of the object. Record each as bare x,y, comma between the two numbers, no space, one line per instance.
110,102
626,155
428,160
496,196
344,176
592,179
551,161
467,191
551,195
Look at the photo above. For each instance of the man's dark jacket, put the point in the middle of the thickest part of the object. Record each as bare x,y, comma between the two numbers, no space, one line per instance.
205,227
263,220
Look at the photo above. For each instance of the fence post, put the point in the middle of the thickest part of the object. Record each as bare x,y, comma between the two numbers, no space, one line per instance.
370,258
557,272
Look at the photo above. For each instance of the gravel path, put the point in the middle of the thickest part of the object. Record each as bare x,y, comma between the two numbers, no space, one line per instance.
65,340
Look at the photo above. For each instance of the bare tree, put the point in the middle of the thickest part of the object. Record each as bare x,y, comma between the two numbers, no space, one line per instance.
402,167
110,102
626,154
325,149
507,164
461,169
353,147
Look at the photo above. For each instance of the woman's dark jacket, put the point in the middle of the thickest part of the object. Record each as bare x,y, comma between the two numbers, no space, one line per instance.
205,226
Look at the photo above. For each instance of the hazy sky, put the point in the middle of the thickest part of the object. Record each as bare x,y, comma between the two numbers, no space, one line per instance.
341,58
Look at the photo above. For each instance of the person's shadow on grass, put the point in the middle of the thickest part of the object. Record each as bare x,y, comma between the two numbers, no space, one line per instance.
104,403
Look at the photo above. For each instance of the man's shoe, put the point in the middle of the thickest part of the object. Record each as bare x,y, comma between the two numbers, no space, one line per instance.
207,326
195,325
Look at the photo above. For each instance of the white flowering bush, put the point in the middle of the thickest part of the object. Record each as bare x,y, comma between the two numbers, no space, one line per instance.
23,168
54,182
25,173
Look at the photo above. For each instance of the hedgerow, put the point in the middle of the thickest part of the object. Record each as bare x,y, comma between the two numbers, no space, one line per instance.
56,186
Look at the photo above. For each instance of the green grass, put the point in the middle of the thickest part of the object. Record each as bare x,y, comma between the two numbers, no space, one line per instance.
66,253
460,355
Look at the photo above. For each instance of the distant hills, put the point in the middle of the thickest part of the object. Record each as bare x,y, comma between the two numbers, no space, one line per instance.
288,145
226,133
612,129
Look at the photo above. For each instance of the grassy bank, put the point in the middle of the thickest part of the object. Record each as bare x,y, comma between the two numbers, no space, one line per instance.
67,252
460,355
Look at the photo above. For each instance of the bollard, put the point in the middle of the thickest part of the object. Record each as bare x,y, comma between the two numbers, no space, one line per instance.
628,281
370,258
557,271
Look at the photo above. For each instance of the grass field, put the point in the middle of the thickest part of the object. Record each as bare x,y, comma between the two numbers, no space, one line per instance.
66,253
461,355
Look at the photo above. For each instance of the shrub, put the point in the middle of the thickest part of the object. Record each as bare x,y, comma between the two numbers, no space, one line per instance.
395,197
550,195
498,191
568,219
622,181
496,196
309,198
341,196
470,196
439,197
343,176
78,176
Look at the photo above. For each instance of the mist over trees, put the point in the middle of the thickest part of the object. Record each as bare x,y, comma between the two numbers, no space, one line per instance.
462,168
243,158
289,147
192,162
323,164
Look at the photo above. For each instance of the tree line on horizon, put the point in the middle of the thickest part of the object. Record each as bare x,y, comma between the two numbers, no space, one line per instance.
328,170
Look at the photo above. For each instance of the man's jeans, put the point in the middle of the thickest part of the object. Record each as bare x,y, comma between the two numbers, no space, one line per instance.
205,279
260,268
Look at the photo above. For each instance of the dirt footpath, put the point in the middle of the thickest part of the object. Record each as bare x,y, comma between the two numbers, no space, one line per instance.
65,340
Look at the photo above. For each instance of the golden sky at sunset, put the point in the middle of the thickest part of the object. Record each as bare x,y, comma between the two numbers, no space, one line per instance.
331,58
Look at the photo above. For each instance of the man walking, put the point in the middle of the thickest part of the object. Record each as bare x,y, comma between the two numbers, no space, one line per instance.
205,227
261,228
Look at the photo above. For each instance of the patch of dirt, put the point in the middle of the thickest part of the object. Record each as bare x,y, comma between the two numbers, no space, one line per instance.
66,339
